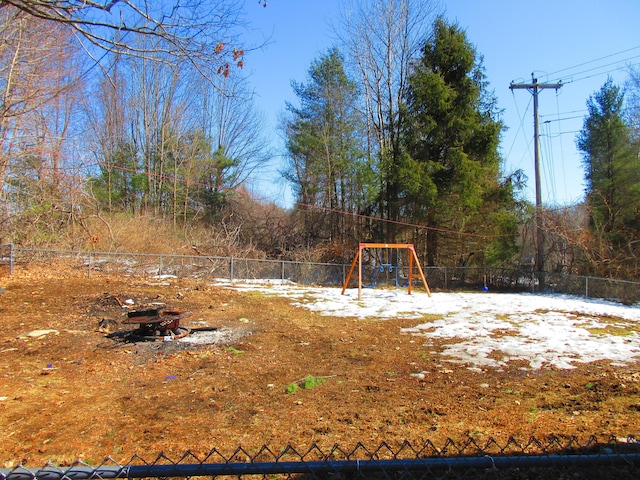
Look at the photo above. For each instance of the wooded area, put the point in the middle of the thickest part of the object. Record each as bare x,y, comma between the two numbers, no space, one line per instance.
112,132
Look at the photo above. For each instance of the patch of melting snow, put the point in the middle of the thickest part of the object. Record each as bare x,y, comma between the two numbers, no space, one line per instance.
491,329
209,337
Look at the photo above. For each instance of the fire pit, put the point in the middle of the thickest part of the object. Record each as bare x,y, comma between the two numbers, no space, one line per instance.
158,324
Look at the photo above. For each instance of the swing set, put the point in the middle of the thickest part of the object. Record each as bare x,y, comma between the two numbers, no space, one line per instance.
389,267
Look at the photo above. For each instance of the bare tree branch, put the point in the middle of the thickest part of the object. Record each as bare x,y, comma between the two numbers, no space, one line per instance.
199,31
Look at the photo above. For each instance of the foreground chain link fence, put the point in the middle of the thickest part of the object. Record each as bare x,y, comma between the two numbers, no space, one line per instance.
327,274
556,458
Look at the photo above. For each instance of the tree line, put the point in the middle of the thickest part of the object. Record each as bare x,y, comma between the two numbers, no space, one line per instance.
393,137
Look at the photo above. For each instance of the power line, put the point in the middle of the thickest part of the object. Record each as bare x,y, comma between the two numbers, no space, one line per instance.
563,113
585,76
559,134
520,126
562,119
300,204
406,224
621,67
564,177
546,156
603,73
534,87
596,60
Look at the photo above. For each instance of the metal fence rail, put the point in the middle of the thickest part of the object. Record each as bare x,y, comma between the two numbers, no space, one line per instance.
326,274
194,266
555,458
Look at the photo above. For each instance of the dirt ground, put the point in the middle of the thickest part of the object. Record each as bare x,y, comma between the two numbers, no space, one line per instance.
84,392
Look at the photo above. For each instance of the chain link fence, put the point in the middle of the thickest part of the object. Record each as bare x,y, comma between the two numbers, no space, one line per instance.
557,458
230,269
192,266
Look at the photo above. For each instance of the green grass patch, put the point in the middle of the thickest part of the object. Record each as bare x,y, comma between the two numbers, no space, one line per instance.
613,330
306,383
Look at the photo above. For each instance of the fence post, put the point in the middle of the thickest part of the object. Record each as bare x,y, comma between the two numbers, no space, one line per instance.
282,271
231,269
586,287
160,266
533,281
89,263
11,259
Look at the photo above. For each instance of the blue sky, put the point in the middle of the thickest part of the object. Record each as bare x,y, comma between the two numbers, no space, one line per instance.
577,42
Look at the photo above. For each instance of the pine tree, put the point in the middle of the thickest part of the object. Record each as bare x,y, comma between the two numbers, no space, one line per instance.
327,165
612,170
451,170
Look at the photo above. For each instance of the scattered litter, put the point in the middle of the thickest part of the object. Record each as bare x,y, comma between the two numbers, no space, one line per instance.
107,325
48,369
39,333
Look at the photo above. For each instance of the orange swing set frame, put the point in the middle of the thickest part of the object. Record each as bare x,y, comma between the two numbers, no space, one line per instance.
412,258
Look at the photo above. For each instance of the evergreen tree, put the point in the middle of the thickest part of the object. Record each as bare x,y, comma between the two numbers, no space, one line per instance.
327,166
450,175
383,37
120,186
612,169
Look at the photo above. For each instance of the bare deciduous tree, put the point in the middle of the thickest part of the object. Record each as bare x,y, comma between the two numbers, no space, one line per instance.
196,30
632,98
235,127
383,37
170,143
39,81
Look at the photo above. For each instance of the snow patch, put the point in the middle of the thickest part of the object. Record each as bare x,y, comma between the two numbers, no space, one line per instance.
490,329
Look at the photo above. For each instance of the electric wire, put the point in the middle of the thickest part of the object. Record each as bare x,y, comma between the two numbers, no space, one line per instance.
237,191
622,67
594,60
547,164
562,159
583,74
561,119
520,127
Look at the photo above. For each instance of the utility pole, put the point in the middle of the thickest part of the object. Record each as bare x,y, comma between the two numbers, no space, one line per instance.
534,88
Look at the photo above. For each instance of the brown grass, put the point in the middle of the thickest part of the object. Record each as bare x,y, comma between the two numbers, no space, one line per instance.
81,394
